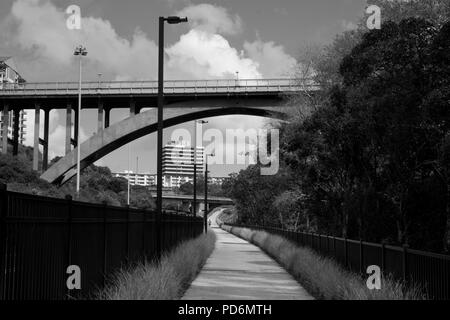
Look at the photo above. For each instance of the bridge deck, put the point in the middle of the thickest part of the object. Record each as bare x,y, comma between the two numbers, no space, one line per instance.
151,87
119,94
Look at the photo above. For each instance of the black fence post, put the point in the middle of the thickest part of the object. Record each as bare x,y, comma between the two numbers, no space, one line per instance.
69,235
328,245
105,241
320,243
345,252
128,233
144,246
405,263
361,256
3,236
334,246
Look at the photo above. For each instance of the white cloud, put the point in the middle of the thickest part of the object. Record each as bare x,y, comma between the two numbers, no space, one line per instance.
44,47
212,19
272,59
42,29
204,55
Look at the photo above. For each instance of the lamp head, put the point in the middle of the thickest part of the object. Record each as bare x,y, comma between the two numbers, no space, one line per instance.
80,50
176,20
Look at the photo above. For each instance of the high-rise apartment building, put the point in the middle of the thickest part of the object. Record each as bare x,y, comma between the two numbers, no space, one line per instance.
178,160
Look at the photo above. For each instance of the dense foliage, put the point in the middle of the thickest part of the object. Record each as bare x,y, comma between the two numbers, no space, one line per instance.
368,156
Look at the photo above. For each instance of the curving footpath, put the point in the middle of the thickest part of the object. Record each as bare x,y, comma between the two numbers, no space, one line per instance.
239,270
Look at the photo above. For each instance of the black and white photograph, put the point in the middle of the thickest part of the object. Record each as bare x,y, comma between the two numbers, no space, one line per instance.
231,158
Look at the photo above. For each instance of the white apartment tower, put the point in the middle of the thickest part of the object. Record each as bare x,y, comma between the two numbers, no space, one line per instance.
178,160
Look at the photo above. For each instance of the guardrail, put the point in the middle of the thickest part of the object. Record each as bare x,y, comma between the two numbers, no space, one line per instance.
41,237
430,270
151,87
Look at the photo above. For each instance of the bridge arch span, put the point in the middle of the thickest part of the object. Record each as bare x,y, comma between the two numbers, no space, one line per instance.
138,126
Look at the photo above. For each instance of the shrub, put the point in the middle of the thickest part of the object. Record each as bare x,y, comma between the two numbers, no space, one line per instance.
167,280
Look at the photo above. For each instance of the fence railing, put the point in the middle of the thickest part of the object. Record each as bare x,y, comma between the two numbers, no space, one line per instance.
41,237
151,87
430,271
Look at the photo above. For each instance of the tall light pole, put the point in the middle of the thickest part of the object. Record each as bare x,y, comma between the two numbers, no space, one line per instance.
81,52
128,178
205,215
201,122
159,183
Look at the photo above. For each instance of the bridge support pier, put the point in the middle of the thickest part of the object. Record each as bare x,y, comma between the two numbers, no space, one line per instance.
100,116
107,117
45,140
37,122
133,108
5,124
68,128
16,132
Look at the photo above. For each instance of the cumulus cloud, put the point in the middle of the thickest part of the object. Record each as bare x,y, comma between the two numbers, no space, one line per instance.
271,58
212,19
205,55
41,28
38,32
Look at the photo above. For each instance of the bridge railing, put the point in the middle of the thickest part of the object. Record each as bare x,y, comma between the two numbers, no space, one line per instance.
41,237
151,87
429,270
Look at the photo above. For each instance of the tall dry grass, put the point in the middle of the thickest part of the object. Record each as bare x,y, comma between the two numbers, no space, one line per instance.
323,277
167,280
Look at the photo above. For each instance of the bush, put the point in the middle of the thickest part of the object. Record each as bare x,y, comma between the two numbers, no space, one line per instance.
167,280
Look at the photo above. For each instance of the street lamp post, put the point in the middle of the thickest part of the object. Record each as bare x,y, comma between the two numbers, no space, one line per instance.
129,178
195,161
81,52
170,20
205,215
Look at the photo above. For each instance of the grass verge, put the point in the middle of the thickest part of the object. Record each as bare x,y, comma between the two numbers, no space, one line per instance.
323,277
167,280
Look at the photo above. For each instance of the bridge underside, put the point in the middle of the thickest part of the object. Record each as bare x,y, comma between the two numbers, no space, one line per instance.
141,101
140,125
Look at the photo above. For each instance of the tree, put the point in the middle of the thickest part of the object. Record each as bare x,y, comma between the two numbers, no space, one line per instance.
369,159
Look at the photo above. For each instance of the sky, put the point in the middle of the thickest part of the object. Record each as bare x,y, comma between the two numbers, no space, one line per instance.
258,38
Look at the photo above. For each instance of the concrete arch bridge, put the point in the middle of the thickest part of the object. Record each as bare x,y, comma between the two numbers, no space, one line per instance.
184,101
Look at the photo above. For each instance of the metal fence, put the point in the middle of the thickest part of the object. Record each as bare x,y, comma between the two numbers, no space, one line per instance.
40,237
430,271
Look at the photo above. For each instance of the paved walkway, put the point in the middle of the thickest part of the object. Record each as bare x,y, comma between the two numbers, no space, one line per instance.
238,270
